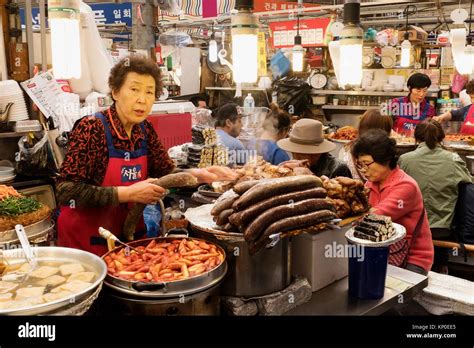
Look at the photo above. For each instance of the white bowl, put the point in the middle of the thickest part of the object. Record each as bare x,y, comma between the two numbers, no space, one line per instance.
6,171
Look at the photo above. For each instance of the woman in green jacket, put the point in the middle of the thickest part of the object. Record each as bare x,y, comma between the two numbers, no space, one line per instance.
438,172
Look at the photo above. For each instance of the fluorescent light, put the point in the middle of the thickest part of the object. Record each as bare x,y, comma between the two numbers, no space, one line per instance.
350,63
298,55
212,49
64,21
244,47
406,54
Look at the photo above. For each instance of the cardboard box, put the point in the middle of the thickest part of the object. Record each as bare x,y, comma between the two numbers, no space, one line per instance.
309,258
415,34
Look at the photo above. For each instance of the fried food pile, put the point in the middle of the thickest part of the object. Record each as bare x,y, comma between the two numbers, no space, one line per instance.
17,209
345,133
349,195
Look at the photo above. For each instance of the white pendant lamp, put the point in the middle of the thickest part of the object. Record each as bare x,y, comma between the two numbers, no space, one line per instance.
244,30
64,21
350,60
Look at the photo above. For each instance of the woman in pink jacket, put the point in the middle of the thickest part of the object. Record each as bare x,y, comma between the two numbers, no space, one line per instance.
394,193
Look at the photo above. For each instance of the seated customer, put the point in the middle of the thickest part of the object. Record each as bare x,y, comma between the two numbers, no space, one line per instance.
438,173
394,193
371,119
228,127
275,127
306,142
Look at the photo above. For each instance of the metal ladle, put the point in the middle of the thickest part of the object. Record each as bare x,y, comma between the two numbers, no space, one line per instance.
29,255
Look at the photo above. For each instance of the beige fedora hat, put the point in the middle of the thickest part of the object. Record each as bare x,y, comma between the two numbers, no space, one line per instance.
307,137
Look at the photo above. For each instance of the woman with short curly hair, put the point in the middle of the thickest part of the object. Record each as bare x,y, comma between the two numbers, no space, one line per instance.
112,158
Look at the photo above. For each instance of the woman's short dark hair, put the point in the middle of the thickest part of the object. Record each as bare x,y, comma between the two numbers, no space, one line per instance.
418,80
430,132
373,119
470,87
226,112
379,145
137,64
277,120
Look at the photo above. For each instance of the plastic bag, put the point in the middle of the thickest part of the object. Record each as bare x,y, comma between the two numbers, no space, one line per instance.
152,218
280,64
35,160
175,38
293,94
169,6
202,117
459,81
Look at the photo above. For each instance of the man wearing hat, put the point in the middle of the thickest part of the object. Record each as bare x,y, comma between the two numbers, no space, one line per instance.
228,127
306,142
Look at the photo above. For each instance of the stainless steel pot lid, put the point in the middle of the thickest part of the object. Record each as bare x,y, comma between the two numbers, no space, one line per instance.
200,218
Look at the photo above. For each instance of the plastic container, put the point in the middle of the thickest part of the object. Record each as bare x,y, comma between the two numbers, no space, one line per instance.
309,260
28,126
367,274
249,102
368,264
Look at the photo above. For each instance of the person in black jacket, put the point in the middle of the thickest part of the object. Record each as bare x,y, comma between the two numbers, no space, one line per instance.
306,142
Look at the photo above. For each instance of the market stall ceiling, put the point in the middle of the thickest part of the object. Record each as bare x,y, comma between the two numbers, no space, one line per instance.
373,12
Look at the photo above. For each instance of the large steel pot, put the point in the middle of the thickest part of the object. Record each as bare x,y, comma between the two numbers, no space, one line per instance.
58,254
170,289
205,302
266,272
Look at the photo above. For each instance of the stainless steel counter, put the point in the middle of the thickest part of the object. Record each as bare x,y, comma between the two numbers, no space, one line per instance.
401,285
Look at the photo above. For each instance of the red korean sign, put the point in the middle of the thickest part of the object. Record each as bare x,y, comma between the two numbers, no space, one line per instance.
276,5
312,31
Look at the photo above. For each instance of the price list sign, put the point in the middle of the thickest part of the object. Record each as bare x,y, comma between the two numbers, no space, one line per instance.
313,32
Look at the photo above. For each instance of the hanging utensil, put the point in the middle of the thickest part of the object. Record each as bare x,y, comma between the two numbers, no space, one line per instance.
4,113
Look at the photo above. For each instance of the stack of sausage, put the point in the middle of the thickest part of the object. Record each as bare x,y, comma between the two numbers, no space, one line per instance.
349,195
259,209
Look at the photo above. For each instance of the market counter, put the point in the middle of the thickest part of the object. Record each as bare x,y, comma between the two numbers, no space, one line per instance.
334,299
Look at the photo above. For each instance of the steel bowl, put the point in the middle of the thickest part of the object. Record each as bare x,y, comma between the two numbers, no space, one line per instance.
167,289
33,231
55,254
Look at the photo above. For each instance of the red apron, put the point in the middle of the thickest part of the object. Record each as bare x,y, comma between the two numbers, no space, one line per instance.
78,227
468,125
405,122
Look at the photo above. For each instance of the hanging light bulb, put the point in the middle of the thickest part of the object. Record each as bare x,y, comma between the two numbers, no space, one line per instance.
298,50
406,52
469,52
298,55
351,45
64,20
244,30
213,49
